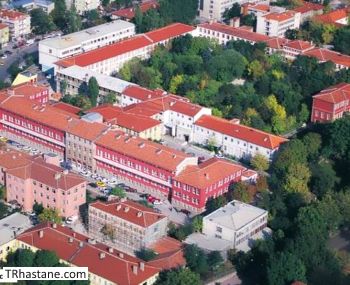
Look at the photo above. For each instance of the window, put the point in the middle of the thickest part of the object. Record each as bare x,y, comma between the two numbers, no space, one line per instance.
219,229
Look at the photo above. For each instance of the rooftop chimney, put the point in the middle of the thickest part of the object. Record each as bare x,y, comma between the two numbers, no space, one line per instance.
110,250
41,234
65,172
121,255
57,176
70,240
139,214
102,255
119,207
81,244
126,209
54,225
142,266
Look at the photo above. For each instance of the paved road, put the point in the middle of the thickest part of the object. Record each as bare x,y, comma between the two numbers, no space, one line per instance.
230,279
17,54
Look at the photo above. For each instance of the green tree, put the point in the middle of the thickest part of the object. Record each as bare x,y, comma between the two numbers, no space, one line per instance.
324,179
50,215
38,208
214,204
146,254
196,259
255,69
41,22
173,10
342,40
260,162
73,21
93,91
2,192
197,224
118,191
234,11
3,209
21,258
46,258
59,14
180,276
239,192
297,179
110,98
214,260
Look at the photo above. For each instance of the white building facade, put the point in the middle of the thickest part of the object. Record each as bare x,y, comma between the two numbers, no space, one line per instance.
83,6
236,222
18,23
52,50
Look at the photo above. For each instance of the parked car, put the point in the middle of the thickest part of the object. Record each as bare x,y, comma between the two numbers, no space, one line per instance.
157,202
131,190
71,220
100,184
186,212
93,185
84,173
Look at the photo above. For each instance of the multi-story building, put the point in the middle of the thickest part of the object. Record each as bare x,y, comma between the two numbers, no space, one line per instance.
276,24
340,60
234,139
308,10
126,225
4,35
130,123
140,163
338,18
18,23
292,49
30,180
109,59
197,183
32,91
331,104
54,49
129,13
46,5
74,76
236,222
10,227
105,264
214,9
83,6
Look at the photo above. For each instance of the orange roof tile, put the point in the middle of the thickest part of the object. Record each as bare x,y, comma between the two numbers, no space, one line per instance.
129,13
168,32
323,55
67,107
143,150
280,17
244,133
333,16
136,213
37,169
11,158
86,130
25,89
11,14
236,32
300,45
207,173
115,266
276,43
308,6
142,93
335,94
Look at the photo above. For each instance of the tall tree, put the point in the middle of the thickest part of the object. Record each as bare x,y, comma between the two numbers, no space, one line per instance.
180,276
41,22
93,91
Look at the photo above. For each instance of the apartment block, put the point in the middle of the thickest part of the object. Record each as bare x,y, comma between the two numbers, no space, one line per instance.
237,222
276,24
234,139
54,49
106,265
18,23
29,180
109,59
4,35
331,103
126,225
83,6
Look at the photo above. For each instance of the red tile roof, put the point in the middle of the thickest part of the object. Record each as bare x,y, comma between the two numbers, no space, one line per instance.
3,26
335,94
236,32
280,17
37,169
11,158
67,107
143,94
169,254
300,45
117,116
74,248
130,211
323,55
129,13
333,16
26,90
143,150
127,45
86,130
11,14
276,43
208,173
244,133
308,6
258,6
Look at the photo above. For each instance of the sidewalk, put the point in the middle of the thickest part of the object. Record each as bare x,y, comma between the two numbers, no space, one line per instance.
230,279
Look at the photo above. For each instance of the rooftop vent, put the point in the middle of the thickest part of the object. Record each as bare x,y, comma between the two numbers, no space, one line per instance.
141,145
69,119
134,269
119,207
41,234
142,266
121,255
126,209
110,250
117,137
91,241
139,214
81,244
57,176
102,255
54,225
127,140
159,151
70,240
174,156
65,172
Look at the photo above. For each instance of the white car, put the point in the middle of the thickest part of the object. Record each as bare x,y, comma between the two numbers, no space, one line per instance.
4,56
113,182
34,151
157,202
84,173
94,176
104,180
27,148
71,220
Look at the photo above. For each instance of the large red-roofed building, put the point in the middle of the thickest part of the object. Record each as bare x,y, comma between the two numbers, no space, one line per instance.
129,13
331,104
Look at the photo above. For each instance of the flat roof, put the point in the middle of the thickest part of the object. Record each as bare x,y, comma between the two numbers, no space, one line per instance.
104,81
235,215
15,223
77,38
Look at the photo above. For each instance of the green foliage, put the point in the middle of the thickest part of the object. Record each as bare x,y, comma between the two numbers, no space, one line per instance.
59,14
73,21
180,232
214,259
173,10
22,257
14,69
260,162
2,192
118,191
45,258
234,11
146,254
179,276
110,98
197,224
93,91
196,259
342,40
38,208
215,203
50,215
41,22
3,209
240,192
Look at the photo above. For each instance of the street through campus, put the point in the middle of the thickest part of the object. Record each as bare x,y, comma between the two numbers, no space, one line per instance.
17,54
